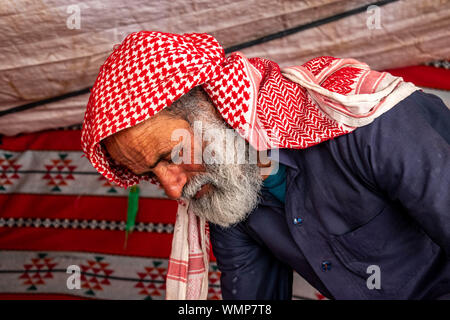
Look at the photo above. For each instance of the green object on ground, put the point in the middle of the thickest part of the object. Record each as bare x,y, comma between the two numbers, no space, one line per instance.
133,206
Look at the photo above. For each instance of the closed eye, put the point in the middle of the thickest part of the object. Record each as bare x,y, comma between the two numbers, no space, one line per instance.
166,156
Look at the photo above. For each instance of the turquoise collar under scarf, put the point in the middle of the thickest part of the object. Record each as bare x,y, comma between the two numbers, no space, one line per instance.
276,183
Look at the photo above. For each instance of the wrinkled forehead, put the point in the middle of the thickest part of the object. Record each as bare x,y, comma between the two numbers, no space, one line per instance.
126,137
146,138
135,131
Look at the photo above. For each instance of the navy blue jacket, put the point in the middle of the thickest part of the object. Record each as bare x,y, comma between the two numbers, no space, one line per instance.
377,196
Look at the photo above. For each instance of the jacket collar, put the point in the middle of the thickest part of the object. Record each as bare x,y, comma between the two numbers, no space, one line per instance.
284,156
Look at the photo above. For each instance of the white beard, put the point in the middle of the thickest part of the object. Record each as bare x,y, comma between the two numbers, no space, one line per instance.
235,187
235,193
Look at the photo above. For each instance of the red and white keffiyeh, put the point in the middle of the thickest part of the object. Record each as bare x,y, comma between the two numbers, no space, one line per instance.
296,107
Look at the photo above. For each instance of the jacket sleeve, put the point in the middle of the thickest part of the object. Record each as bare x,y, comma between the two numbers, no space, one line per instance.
406,156
248,270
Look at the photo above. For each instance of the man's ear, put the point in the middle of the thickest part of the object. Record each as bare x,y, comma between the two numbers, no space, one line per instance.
103,144
107,144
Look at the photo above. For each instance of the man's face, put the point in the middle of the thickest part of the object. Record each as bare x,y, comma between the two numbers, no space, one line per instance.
146,149
222,193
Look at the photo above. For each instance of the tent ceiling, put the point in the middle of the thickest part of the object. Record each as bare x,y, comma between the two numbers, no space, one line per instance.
41,58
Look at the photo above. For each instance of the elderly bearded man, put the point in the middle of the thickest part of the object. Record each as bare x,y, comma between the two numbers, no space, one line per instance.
363,177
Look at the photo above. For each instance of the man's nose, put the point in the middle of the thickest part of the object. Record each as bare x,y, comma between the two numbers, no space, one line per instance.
172,178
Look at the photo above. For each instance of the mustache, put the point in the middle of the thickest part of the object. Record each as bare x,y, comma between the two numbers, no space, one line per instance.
194,184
